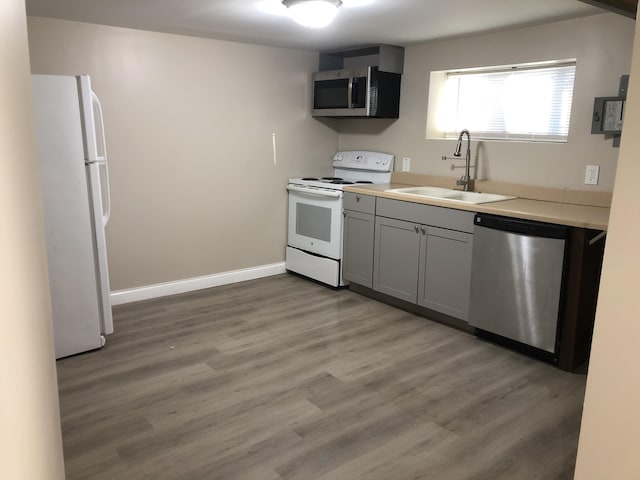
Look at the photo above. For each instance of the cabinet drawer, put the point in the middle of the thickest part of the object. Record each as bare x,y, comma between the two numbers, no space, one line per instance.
442,217
359,203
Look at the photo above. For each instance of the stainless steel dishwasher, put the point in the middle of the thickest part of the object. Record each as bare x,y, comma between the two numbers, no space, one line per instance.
516,282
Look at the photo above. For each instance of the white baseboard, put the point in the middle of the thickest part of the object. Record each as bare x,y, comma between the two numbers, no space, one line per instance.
120,297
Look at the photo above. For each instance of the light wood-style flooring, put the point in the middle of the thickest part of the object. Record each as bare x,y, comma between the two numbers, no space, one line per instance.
284,379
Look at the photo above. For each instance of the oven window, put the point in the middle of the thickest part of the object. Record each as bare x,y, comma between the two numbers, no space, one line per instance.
313,221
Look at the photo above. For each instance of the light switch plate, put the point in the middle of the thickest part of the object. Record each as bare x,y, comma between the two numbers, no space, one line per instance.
406,164
591,175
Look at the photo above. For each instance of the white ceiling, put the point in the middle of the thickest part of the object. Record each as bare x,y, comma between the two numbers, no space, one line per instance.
359,22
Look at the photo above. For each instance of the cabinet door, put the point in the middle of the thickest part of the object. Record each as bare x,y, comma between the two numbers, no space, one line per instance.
357,248
395,264
445,271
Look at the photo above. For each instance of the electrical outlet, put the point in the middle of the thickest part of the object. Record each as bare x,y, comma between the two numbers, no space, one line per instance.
406,164
591,175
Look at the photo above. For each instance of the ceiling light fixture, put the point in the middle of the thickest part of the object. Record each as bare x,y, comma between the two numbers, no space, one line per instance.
313,13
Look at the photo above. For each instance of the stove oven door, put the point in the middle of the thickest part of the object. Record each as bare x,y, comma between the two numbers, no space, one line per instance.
315,220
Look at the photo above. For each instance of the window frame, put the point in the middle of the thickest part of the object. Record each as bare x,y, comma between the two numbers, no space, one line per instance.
440,105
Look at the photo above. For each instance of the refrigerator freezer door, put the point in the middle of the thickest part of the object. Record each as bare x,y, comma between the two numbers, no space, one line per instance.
68,227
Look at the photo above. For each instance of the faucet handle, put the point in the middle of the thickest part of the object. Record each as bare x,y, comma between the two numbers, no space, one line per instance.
466,182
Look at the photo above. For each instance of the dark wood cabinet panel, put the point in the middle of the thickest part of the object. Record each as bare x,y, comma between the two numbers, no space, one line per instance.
583,266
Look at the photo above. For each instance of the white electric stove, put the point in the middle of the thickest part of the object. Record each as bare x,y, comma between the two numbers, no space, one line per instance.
314,243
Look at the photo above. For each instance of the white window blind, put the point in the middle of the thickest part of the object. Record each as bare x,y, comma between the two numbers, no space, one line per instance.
526,103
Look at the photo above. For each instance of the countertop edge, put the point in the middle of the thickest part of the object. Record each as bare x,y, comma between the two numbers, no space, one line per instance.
572,215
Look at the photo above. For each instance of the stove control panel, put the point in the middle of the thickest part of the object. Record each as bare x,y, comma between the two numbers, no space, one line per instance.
364,160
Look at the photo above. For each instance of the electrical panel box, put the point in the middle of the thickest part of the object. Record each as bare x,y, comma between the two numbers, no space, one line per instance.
608,113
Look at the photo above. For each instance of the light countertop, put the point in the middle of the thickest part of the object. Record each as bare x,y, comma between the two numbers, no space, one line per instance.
572,215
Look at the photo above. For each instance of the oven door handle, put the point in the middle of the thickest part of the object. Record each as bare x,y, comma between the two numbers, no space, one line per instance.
313,191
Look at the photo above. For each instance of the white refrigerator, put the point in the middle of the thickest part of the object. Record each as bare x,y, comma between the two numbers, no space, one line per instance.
75,193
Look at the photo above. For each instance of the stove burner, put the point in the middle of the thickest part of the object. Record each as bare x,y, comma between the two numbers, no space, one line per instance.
339,181
331,178
310,178
364,181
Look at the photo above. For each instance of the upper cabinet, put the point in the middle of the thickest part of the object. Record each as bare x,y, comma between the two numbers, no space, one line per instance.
627,8
361,82
388,58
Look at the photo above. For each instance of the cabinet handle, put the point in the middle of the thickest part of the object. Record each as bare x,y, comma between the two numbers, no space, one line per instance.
357,198
344,213
423,230
416,229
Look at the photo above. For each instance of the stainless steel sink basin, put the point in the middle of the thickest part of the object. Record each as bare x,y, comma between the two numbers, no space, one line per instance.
450,194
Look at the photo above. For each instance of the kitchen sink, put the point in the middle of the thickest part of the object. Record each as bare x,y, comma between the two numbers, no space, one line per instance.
450,194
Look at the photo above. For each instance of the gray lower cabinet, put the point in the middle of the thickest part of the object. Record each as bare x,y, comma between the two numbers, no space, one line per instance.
445,271
357,238
396,253
422,263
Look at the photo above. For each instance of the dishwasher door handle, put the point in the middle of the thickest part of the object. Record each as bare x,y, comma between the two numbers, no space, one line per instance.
518,225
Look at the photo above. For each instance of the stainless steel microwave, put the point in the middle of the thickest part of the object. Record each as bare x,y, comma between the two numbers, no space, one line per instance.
358,92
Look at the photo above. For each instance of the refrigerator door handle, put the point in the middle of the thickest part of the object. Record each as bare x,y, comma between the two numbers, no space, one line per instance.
101,156
101,151
104,179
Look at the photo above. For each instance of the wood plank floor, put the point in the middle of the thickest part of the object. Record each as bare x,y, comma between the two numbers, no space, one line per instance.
283,379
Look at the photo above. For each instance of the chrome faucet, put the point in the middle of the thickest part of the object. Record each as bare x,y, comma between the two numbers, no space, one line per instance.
465,180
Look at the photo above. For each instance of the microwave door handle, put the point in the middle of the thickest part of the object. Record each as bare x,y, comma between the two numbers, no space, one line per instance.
354,92
350,93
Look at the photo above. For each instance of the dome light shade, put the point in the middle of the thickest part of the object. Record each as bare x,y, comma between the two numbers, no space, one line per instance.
313,13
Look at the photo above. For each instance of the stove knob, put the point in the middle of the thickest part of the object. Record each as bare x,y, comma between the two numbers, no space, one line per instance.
338,157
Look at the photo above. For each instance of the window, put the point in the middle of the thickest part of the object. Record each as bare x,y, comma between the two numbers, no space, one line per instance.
525,102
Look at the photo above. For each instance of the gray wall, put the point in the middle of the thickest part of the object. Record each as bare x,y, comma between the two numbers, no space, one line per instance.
189,126
602,45
30,438
610,431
